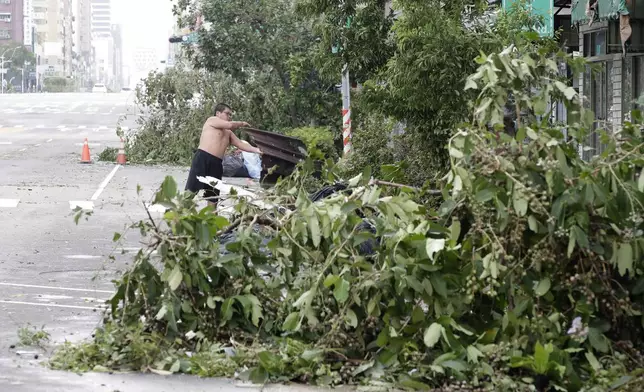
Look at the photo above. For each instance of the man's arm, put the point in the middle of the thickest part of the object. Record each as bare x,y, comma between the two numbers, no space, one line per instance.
218,123
244,146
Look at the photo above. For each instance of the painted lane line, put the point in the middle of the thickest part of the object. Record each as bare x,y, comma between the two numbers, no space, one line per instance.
52,305
107,179
89,144
84,205
61,127
32,286
20,126
9,203
40,126
49,140
6,143
83,257
82,126
38,144
23,149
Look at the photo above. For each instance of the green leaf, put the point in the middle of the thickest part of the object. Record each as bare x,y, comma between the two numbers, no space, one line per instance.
563,164
439,285
519,203
625,258
117,236
355,180
351,318
433,245
598,340
314,227
543,287
455,153
432,334
258,375
484,195
473,354
256,309
341,291
542,357
532,134
211,303
330,280
291,322
593,361
175,366
175,278
315,355
455,230
640,181
533,224
169,187
226,311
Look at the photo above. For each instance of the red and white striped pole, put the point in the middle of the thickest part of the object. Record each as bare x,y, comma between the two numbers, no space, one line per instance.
346,111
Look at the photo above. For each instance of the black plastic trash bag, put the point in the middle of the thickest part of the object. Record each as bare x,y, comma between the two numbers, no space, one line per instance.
234,166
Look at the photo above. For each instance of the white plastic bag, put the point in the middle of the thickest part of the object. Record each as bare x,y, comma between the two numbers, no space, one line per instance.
253,163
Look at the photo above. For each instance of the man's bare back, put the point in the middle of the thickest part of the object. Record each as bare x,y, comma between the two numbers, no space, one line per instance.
217,135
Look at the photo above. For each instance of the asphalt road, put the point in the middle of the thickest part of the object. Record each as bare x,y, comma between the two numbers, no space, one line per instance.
53,273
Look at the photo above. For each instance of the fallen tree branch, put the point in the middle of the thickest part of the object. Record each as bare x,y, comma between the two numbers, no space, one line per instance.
433,192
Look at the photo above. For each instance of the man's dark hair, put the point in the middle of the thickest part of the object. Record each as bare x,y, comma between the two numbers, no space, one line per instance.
221,107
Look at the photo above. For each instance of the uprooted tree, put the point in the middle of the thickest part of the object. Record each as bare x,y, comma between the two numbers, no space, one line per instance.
529,275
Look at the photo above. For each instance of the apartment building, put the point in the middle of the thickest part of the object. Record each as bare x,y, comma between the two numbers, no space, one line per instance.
102,42
83,53
11,21
54,36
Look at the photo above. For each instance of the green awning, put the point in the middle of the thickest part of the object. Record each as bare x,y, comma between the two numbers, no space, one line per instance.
606,9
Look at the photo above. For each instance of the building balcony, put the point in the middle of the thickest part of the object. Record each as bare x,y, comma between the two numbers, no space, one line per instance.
606,10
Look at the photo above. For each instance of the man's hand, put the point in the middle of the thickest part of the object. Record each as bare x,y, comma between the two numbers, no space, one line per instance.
240,124
258,151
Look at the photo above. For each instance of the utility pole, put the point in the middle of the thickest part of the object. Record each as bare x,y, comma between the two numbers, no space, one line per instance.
346,105
346,110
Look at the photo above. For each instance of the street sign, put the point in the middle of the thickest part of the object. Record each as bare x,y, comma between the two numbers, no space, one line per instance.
544,8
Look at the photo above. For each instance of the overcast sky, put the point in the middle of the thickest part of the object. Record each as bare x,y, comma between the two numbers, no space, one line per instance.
146,23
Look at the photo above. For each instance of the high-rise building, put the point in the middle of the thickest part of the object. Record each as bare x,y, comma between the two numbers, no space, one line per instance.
54,37
12,21
117,57
28,22
102,42
101,18
83,59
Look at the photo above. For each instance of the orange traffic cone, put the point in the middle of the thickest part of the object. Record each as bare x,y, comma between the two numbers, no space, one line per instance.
85,154
120,158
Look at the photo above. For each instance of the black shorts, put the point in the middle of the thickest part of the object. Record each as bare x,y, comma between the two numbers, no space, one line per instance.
205,164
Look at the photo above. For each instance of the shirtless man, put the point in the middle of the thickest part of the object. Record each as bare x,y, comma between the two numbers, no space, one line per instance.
216,136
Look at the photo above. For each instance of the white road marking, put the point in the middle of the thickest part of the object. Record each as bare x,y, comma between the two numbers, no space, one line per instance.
84,257
51,305
89,144
6,143
40,126
49,140
102,127
61,127
9,203
107,179
32,286
20,126
38,144
85,205
23,149
82,127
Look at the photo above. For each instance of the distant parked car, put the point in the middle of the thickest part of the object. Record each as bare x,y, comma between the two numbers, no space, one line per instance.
99,88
